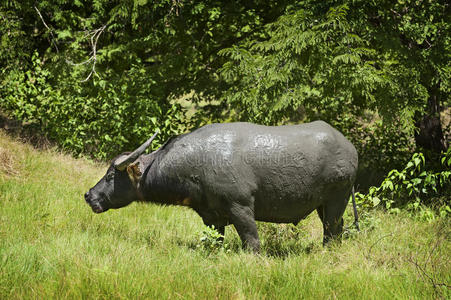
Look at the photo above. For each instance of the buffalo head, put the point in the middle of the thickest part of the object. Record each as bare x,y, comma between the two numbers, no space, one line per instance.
118,187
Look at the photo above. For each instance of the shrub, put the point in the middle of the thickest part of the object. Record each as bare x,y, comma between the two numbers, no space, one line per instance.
212,241
416,188
97,118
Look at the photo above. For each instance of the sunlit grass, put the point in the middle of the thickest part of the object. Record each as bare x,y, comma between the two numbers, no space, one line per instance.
52,245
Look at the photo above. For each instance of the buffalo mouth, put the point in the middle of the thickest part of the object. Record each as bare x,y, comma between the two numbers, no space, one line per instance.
97,206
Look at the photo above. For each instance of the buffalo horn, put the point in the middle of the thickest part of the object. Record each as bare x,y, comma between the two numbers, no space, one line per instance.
123,161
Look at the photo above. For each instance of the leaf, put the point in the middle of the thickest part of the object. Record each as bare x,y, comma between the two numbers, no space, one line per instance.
375,201
390,185
416,181
417,161
64,34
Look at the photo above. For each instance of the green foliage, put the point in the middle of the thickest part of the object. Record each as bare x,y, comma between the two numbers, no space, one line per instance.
415,188
100,77
212,242
340,63
101,126
316,66
13,46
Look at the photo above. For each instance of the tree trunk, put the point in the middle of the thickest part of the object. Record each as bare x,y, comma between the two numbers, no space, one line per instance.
430,134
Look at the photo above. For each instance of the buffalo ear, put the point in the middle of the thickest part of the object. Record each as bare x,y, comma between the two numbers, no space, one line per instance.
134,173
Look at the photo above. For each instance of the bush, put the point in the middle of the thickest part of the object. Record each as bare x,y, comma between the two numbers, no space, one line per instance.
417,188
97,118
211,241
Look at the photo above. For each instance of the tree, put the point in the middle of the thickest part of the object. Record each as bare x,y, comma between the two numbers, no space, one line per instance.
332,60
97,76
108,71
416,33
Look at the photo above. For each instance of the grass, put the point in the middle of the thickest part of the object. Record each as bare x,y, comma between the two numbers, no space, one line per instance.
53,246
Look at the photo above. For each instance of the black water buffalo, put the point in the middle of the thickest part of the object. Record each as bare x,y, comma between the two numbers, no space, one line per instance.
237,173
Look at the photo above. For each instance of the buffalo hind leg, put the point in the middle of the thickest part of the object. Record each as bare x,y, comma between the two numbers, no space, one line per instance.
332,218
242,217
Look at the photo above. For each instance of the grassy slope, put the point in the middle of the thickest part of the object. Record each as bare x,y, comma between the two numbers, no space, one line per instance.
52,245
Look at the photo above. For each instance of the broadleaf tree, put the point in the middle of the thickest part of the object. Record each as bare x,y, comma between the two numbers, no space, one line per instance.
333,59
99,76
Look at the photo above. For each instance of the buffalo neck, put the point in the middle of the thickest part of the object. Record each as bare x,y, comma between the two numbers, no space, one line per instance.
158,187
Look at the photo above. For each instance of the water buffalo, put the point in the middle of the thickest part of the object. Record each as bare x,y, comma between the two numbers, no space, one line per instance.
237,173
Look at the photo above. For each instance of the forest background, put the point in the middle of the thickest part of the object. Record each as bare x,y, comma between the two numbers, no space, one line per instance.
99,77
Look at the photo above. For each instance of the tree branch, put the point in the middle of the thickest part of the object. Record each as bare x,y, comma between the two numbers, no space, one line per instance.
94,38
48,28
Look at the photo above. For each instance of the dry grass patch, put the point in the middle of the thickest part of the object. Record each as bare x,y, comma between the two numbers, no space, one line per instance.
8,165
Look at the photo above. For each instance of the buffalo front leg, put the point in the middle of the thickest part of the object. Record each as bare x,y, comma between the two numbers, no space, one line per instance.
242,217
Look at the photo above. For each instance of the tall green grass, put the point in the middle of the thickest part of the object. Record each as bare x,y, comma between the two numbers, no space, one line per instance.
53,246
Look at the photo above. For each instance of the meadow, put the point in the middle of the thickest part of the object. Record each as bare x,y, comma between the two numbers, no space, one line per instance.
53,246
